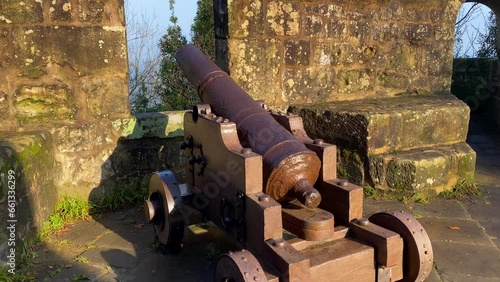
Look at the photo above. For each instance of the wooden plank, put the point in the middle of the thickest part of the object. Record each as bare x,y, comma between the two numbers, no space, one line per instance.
308,234
344,200
293,266
341,260
299,244
327,153
388,245
263,219
307,218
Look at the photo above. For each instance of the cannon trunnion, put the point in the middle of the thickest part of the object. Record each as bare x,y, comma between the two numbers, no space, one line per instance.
254,174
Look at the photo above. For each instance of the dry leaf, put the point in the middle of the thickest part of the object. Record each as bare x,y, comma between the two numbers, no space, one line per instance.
454,228
139,225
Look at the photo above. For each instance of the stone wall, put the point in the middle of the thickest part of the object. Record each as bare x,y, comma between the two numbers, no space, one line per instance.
66,126
323,50
64,72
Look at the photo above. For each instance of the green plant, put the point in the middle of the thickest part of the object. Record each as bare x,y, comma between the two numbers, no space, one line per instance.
82,259
154,246
79,277
125,197
28,252
371,192
54,271
466,186
17,276
67,210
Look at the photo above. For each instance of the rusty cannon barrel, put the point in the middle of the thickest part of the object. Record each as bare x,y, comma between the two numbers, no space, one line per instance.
290,169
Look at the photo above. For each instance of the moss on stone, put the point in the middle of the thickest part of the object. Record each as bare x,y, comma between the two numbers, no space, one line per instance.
32,72
30,12
401,175
350,166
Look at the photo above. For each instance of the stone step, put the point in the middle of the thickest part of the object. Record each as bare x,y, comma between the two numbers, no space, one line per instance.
433,169
378,126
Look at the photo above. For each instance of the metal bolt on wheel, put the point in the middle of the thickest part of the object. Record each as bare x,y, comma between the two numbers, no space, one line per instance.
240,266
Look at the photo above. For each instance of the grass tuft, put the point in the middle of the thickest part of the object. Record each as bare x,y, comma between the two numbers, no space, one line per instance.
18,276
466,186
123,198
67,210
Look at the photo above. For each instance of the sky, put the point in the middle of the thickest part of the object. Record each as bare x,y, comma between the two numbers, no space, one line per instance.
185,10
477,23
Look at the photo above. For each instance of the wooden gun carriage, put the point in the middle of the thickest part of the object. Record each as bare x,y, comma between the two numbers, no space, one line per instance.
255,173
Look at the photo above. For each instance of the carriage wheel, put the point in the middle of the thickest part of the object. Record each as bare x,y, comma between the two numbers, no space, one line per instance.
163,209
417,250
239,266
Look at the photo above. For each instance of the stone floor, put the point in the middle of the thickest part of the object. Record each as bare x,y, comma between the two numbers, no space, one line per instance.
118,246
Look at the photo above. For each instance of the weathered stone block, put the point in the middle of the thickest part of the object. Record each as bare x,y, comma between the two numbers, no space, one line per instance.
435,169
161,125
246,18
30,158
86,50
407,142
94,11
443,32
282,18
327,10
312,84
122,154
60,10
379,126
385,32
416,14
418,32
19,12
436,62
349,81
297,52
435,16
351,166
6,48
404,58
339,29
314,25
360,29
328,53
83,138
248,70
44,102
393,80
84,170
102,94
4,105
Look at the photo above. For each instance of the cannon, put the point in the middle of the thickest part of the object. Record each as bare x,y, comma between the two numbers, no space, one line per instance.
258,176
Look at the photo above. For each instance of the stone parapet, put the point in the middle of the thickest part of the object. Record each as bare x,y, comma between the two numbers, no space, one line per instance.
377,126
85,160
409,141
